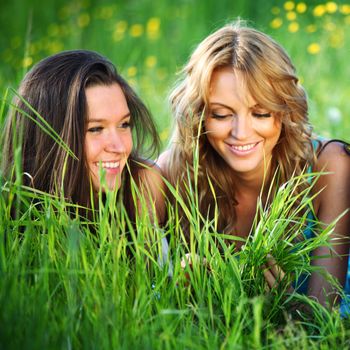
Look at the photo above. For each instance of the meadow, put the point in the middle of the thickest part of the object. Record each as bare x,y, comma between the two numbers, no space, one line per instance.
67,283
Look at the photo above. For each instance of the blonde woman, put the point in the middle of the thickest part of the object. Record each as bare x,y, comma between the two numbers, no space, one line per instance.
240,93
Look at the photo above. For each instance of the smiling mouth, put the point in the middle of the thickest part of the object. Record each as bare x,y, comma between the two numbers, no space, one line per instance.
244,148
108,165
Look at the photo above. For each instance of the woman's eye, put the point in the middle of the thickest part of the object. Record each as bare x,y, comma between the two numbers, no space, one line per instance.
95,129
220,116
261,115
125,125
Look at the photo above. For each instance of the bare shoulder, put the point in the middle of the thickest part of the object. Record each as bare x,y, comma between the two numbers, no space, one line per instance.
151,175
153,190
333,157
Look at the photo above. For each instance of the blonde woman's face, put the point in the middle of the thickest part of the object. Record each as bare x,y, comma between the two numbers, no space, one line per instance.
108,139
242,132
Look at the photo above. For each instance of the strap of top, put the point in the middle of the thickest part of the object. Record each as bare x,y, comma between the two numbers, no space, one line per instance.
320,143
346,145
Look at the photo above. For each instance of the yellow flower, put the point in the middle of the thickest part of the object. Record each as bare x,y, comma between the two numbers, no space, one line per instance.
291,16
289,5
275,10
319,10
27,61
151,61
153,26
132,71
311,28
345,9
331,7
120,28
83,20
301,7
293,27
314,48
136,30
276,23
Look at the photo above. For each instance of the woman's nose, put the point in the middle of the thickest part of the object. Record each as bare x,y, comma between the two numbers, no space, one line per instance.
241,127
115,143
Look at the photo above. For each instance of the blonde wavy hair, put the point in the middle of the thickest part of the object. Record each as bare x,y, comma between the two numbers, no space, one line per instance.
271,80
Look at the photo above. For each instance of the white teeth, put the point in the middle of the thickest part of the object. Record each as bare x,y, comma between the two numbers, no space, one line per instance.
244,148
110,165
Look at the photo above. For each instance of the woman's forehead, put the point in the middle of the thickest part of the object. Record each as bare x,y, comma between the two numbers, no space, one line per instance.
226,81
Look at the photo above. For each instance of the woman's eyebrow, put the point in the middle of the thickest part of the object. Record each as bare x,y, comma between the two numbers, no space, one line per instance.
257,105
220,105
99,120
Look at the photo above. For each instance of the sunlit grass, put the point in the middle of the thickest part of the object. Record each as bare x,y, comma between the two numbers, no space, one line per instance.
66,282
107,283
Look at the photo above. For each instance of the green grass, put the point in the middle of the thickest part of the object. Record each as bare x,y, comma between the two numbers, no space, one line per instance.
68,283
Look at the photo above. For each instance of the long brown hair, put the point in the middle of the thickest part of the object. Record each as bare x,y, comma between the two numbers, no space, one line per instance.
55,89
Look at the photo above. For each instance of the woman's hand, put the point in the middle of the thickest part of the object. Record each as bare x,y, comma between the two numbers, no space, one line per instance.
274,274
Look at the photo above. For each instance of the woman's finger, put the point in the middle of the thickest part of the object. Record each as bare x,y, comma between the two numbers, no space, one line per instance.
277,272
275,268
269,277
187,260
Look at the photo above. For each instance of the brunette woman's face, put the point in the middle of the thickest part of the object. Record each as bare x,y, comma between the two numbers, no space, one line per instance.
108,138
242,132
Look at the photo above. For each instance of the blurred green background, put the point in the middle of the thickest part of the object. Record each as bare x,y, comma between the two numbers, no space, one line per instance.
149,41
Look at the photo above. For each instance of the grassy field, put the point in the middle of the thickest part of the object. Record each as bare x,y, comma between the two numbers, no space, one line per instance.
68,284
